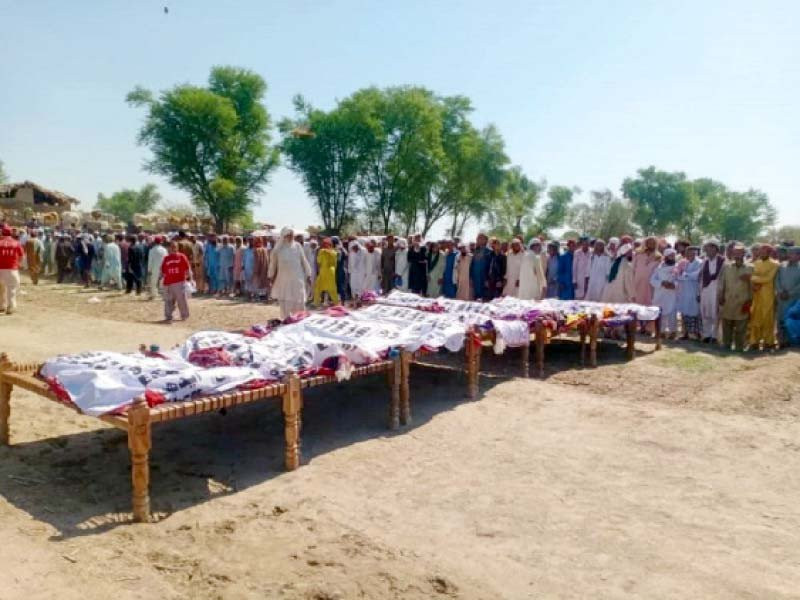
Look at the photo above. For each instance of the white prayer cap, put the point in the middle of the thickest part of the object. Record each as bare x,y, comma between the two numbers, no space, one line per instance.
624,249
712,242
534,241
287,231
614,240
669,252
354,244
462,245
402,243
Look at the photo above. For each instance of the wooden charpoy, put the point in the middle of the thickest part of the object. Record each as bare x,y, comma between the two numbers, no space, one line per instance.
138,420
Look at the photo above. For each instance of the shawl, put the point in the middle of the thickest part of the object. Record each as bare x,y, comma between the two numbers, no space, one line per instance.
706,274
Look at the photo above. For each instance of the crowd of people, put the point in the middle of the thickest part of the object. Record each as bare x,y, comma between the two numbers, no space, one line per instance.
730,293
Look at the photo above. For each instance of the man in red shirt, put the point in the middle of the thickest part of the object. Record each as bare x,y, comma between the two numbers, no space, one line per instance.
175,270
10,254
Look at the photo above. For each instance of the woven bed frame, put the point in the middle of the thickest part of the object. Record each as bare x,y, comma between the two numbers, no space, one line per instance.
539,337
140,417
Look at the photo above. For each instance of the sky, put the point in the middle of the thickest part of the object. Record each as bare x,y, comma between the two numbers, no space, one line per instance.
584,92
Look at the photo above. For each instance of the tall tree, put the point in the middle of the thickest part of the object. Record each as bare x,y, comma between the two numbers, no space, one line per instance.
554,212
329,151
127,202
481,177
3,176
516,204
604,216
212,141
401,169
741,216
659,199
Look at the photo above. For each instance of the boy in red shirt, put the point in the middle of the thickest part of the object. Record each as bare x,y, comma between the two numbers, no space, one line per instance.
10,254
175,271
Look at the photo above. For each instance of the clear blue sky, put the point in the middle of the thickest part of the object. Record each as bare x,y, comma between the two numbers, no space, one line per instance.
584,92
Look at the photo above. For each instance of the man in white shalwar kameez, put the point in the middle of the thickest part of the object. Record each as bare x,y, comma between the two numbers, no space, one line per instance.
372,267
155,256
665,292
532,282
401,264
599,268
289,273
513,268
580,268
709,304
357,268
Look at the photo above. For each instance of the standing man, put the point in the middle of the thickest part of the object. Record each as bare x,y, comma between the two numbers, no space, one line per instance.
497,270
580,268
665,292
599,268
762,318
479,268
34,251
417,268
787,289
154,260
709,305
461,273
226,258
566,288
11,254
63,256
551,268
175,270
513,269
689,292
388,265
290,274
132,268
373,259
734,295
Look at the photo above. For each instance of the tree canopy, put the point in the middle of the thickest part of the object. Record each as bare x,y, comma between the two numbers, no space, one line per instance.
212,141
3,176
127,202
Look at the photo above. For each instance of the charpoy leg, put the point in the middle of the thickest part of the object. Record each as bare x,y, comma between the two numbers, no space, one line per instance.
139,445
630,339
405,391
526,358
594,328
292,405
394,375
541,334
473,357
5,412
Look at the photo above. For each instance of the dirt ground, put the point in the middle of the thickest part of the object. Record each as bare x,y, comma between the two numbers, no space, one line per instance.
674,476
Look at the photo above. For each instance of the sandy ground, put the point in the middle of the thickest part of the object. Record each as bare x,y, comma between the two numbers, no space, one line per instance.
675,476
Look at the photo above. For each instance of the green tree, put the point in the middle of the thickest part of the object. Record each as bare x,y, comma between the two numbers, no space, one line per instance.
329,151
479,180
127,202
787,233
604,216
554,212
470,171
404,162
659,199
514,208
3,175
741,216
212,141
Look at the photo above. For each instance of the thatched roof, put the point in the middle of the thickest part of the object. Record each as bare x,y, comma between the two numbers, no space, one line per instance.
40,195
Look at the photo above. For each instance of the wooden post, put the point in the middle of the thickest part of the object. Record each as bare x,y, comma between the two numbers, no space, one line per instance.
658,332
630,338
394,376
526,359
541,335
405,391
139,445
473,356
292,406
594,327
5,412
582,334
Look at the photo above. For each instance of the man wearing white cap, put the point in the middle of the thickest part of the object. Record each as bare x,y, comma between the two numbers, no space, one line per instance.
665,292
290,274
619,289
709,275
599,269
